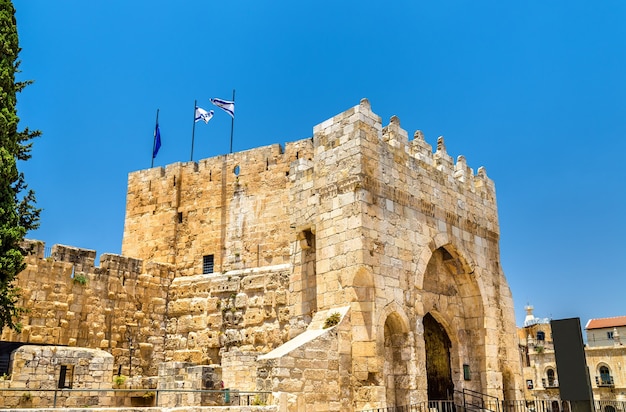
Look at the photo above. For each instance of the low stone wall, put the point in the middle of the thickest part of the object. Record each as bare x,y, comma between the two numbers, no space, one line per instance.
47,368
13,399
310,372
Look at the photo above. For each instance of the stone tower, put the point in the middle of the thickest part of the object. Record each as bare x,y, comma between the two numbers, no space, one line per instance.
266,244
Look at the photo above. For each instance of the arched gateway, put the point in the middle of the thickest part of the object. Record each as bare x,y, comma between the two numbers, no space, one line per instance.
453,340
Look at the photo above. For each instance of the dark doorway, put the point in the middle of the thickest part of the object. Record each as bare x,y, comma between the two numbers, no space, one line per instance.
438,372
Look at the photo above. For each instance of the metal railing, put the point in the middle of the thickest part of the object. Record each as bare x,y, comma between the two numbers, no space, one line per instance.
65,398
478,401
428,406
547,405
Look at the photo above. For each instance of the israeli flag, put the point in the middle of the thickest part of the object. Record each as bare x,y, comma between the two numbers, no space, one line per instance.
202,114
226,105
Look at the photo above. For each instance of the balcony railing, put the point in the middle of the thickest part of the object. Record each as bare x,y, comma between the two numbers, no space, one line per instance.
604,381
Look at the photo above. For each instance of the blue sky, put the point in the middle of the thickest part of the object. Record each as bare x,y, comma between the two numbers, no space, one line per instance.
535,91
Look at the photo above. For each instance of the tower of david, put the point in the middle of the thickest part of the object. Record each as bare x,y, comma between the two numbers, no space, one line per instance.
351,270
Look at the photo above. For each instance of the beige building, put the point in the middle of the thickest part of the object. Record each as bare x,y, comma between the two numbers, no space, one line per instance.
351,270
605,356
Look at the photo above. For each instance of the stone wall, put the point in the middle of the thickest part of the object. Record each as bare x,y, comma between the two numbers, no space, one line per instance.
73,303
234,207
313,371
48,367
243,310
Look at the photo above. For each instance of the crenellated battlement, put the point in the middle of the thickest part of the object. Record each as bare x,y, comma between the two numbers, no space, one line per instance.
72,302
337,131
83,260
353,149
271,158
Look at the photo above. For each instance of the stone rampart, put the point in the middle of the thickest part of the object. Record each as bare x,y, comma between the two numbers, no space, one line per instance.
118,304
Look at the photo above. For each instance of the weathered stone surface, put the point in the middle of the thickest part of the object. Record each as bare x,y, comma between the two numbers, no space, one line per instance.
357,217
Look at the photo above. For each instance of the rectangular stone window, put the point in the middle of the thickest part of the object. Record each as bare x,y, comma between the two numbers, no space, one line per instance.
207,264
66,376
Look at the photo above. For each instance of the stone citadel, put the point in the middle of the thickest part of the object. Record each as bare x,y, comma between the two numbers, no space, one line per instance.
351,270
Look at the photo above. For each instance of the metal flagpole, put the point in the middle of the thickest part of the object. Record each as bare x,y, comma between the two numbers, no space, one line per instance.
193,130
154,139
232,123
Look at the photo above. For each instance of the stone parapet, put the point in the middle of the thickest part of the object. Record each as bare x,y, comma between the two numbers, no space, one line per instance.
73,303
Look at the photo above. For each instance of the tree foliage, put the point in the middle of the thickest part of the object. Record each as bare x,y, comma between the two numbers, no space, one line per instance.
18,213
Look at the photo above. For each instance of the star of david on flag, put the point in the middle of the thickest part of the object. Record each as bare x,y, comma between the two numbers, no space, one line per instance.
202,114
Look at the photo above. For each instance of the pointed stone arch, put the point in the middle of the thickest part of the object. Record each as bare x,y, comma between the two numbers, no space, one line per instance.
459,258
450,289
399,316
443,322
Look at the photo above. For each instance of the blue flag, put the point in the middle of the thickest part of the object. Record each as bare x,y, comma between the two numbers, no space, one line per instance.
157,141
